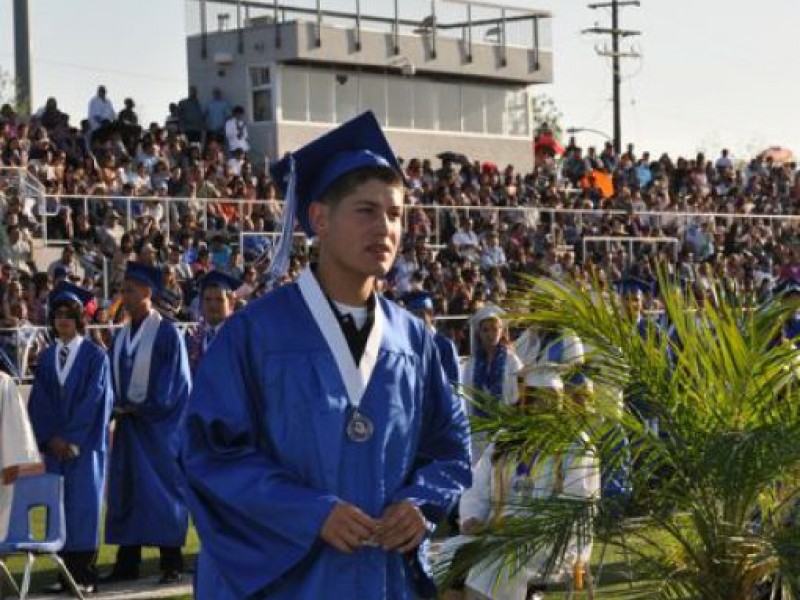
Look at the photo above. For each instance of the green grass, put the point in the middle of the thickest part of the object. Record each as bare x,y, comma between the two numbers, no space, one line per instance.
614,583
44,571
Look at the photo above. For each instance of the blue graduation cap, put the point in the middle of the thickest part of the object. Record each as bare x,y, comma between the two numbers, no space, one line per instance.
152,277
305,175
69,292
416,301
633,285
784,287
219,280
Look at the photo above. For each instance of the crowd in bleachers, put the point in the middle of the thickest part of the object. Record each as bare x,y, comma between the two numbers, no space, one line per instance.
187,194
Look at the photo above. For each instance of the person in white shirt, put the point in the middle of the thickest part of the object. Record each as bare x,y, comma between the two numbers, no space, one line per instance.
19,454
466,240
236,131
405,266
101,111
492,255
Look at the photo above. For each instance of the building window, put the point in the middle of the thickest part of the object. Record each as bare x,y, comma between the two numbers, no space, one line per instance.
426,107
401,102
346,96
472,103
321,95
517,111
294,94
261,94
449,107
373,95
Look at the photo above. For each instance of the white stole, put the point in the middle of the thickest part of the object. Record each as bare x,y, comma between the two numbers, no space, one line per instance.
142,343
355,376
63,373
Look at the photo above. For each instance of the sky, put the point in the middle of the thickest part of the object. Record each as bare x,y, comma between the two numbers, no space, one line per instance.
713,73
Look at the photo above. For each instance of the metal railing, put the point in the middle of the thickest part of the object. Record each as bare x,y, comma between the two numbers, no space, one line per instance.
20,347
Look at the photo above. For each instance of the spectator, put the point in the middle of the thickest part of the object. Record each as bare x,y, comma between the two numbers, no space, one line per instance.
492,255
217,112
236,131
190,116
17,250
68,263
101,114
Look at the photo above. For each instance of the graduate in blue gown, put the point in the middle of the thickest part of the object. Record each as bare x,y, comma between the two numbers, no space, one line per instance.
323,438
70,407
217,302
146,492
421,305
789,290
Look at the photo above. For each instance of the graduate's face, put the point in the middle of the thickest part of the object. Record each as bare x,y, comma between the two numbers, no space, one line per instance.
360,234
64,322
135,297
490,332
217,305
633,303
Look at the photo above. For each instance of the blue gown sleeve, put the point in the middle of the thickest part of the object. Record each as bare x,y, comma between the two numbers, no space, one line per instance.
93,404
255,520
171,386
449,357
43,418
442,464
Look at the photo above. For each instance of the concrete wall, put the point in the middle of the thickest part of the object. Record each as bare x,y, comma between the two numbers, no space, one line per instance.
298,43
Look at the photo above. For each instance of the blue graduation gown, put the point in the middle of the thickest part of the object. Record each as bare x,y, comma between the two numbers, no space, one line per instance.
78,412
448,356
146,491
267,458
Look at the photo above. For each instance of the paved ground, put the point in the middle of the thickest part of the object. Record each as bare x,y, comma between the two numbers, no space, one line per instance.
147,587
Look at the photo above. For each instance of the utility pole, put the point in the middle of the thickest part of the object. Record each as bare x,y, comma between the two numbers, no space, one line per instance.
22,57
615,54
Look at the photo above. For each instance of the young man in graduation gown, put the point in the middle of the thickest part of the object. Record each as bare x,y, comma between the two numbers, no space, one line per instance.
217,301
70,407
323,438
19,454
150,374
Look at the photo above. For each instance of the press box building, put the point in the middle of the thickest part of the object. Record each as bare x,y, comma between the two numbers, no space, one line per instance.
441,75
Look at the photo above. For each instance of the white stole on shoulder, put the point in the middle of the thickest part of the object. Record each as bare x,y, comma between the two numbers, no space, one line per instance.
355,376
142,343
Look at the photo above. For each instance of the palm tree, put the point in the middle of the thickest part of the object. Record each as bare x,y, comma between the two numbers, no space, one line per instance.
716,490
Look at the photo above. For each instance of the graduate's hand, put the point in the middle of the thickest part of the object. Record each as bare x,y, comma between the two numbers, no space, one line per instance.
403,527
471,526
348,528
59,448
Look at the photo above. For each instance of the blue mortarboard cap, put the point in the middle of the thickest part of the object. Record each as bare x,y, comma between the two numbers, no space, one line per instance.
69,292
789,285
633,285
418,301
152,277
220,280
304,175
355,144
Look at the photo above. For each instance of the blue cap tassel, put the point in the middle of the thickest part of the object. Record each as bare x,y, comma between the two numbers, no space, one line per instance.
283,249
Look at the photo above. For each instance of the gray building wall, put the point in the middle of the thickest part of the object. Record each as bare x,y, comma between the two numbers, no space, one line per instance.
410,144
